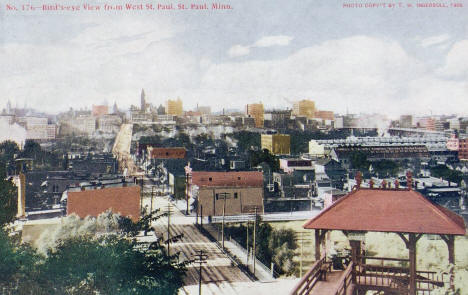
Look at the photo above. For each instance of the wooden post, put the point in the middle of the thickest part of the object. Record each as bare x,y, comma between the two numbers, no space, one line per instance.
450,241
300,261
317,245
451,252
412,264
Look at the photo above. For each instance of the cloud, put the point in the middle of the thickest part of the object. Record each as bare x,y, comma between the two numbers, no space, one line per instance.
456,62
267,41
278,40
365,73
435,40
238,50
111,60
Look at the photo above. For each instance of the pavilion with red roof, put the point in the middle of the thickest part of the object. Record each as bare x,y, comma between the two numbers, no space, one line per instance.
391,210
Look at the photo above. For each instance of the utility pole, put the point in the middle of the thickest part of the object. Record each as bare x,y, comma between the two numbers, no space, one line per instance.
200,258
201,216
254,240
224,214
152,196
141,194
247,243
169,211
187,192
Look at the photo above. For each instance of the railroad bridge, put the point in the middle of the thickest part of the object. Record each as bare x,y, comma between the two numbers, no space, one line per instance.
404,212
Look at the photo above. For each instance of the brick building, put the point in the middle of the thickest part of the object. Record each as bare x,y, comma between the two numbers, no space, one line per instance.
122,200
463,149
236,192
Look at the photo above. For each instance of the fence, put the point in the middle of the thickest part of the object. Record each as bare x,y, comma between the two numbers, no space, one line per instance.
237,253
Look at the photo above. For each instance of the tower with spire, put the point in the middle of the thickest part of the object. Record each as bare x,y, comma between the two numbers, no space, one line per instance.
143,101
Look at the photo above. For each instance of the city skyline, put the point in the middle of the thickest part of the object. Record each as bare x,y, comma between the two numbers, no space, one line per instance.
257,52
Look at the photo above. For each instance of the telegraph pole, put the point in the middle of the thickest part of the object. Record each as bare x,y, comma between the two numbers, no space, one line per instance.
187,192
247,243
141,194
254,241
169,211
200,258
224,214
152,196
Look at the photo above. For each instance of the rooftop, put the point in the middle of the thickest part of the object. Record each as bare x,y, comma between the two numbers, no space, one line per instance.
388,210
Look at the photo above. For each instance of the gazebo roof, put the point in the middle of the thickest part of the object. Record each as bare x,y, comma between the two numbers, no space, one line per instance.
388,210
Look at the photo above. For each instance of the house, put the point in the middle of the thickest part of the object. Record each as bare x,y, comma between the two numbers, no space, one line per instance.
237,192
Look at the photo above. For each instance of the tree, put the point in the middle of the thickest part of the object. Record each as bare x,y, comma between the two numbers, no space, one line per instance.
96,256
359,160
109,265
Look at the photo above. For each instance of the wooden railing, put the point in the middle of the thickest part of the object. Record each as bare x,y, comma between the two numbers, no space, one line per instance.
395,277
346,281
309,280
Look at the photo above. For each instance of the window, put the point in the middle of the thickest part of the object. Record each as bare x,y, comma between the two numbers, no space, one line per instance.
217,196
210,179
235,195
238,178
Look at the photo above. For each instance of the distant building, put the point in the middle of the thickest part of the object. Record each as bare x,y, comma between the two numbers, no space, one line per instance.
100,110
304,108
174,107
143,101
316,150
109,123
278,144
289,165
234,192
122,200
324,115
277,119
427,123
453,143
166,153
463,149
255,111
161,110
204,110
84,124
406,121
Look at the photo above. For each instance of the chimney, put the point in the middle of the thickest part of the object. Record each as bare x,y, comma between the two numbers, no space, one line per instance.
409,180
358,178
384,184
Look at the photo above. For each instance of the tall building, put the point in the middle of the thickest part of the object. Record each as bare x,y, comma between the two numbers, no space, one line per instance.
278,144
406,121
255,111
143,101
304,108
100,110
174,107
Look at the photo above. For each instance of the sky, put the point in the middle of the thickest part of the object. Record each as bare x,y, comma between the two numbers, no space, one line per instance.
360,60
